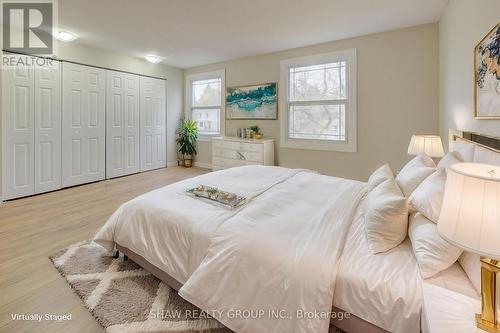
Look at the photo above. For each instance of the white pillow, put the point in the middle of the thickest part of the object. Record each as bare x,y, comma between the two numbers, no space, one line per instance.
466,150
428,197
379,176
386,217
433,253
450,159
472,267
414,172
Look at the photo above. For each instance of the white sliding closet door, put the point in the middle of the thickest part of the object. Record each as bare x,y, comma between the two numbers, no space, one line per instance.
83,143
153,123
47,127
122,123
19,126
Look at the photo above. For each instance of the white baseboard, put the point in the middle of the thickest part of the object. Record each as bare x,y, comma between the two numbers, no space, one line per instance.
202,165
171,164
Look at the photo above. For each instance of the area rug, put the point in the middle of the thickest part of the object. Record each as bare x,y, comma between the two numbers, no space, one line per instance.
125,298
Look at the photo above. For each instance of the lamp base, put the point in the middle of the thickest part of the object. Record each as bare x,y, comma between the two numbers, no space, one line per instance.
488,319
486,325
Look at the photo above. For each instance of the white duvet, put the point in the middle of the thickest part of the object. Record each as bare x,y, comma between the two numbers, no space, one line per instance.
268,266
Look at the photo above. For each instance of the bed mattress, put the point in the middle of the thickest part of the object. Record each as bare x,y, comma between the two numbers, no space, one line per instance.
383,289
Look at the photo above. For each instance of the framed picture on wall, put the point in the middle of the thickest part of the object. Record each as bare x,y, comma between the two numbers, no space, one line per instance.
252,102
487,76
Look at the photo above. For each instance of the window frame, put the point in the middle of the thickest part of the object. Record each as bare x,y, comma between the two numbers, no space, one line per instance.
188,93
350,144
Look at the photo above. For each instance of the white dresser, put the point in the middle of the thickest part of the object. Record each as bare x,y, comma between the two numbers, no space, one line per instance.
228,152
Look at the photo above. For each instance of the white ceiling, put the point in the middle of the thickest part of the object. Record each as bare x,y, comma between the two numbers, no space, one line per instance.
196,32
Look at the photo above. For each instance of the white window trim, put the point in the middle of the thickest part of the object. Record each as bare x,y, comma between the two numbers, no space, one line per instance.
187,99
350,145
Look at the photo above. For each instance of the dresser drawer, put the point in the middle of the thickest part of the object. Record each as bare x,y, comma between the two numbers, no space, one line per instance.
224,153
237,155
252,147
223,163
225,144
252,157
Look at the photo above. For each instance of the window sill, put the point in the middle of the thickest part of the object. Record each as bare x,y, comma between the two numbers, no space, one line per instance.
346,147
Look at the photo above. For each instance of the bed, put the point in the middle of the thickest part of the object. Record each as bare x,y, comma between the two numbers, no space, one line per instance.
234,259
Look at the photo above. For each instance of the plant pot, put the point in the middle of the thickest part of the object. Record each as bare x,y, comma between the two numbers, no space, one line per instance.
188,162
258,136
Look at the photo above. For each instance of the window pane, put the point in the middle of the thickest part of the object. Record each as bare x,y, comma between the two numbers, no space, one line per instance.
206,92
321,122
206,119
318,82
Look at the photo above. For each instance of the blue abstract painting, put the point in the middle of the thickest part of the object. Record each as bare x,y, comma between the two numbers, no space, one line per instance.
487,75
252,102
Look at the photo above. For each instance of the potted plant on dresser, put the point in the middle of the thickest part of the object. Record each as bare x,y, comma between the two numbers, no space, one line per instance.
187,135
256,132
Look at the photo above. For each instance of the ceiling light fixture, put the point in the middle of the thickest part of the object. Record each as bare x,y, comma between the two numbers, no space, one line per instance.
153,58
65,36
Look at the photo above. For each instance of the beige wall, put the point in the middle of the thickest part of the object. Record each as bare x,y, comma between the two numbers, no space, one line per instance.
463,24
108,59
397,96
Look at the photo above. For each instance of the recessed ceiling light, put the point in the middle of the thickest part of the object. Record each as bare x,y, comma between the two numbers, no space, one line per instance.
65,36
153,58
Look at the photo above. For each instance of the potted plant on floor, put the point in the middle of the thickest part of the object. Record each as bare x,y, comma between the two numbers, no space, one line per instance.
186,140
256,132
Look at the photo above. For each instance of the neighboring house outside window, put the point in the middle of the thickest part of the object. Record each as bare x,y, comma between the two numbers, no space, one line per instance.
205,102
318,102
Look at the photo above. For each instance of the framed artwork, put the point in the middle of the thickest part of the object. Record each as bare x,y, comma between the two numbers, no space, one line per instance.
252,102
487,76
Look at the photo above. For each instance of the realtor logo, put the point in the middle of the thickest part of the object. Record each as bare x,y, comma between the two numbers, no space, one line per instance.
27,27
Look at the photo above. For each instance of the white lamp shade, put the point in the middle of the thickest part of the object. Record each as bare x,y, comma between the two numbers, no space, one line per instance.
429,145
470,215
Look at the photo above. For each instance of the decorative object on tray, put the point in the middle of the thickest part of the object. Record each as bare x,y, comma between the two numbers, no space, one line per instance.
487,76
257,134
187,136
212,193
252,102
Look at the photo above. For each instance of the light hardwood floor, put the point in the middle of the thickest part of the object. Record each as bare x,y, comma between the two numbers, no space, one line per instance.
33,228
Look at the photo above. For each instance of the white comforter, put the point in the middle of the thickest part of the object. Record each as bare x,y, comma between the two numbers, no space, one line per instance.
173,230
277,256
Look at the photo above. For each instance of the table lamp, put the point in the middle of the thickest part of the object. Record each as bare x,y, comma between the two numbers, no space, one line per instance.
470,219
429,145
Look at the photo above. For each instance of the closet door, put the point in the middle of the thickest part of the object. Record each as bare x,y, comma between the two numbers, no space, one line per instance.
19,127
83,143
122,123
48,127
153,124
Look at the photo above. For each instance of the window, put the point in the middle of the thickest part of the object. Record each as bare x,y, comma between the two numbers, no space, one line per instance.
319,102
204,101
